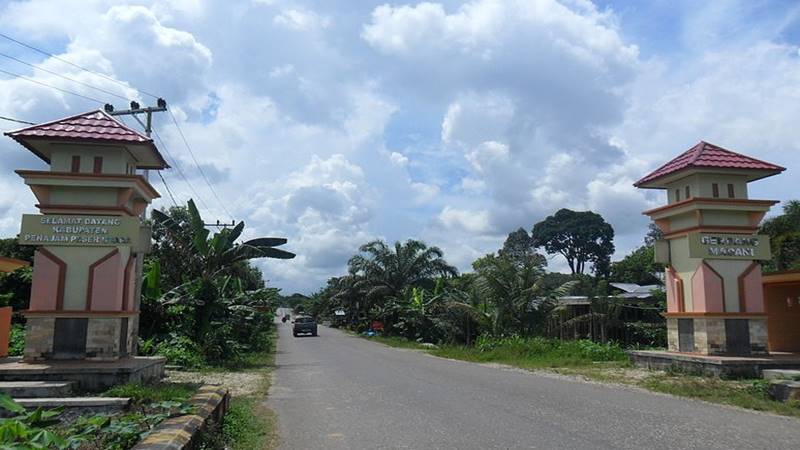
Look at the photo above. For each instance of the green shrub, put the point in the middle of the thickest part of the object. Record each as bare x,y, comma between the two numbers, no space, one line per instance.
180,350
16,343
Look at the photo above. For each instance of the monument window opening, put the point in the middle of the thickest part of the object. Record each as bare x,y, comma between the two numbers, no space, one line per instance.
76,164
688,192
731,192
677,195
715,190
98,164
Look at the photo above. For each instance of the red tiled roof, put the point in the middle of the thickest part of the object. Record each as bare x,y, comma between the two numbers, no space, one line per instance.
708,155
97,126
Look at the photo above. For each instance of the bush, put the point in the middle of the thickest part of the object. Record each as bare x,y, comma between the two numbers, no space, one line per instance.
180,350
16,343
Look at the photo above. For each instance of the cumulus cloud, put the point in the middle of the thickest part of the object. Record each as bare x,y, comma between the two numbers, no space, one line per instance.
454,123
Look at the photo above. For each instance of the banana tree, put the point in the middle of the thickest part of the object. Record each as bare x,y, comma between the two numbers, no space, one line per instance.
213,255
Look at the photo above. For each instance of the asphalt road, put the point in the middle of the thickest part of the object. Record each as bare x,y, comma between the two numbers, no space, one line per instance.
337,391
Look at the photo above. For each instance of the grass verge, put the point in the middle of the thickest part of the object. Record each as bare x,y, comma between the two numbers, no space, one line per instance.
608,364
248,424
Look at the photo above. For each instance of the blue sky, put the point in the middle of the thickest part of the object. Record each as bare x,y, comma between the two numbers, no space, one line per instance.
336,122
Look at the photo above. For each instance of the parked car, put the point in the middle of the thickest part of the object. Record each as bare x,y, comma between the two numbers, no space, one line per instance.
304,325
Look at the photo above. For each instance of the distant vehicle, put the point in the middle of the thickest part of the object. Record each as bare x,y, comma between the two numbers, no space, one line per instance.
285,318
304,325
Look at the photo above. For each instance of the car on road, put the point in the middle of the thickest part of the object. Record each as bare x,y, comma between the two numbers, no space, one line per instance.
304,325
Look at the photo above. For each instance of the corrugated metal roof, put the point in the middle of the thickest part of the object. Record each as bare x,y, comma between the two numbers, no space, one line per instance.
708,155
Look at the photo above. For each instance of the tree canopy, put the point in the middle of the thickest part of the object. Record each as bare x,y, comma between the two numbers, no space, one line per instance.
784,233
519,249
581,237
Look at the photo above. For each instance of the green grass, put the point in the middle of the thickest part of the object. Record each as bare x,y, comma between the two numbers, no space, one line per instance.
248,424
394,341
749,394
608,364
153,393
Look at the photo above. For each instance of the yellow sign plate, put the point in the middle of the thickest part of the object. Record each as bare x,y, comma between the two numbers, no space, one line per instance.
729,246
79,231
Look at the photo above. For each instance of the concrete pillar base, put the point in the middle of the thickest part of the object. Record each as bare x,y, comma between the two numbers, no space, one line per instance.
94,338
722,335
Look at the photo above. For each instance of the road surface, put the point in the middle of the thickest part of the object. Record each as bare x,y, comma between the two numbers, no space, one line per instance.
337,391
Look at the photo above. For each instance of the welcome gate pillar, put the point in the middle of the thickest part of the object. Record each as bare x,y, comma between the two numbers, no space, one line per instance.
715,303
84,295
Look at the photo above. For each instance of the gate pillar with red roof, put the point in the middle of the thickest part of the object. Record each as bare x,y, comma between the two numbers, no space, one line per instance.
90,238
715,303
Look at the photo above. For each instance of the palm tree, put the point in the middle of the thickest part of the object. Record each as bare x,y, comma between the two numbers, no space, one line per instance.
211,258
517,295
387,271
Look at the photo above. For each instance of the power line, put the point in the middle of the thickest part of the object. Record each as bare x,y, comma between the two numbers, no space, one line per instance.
73,64
200,169
66,91
169,191
62,76
16,120
180,172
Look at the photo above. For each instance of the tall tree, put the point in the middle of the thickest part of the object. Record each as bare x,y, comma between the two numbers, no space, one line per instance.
519,248
387,271
581,237
638,267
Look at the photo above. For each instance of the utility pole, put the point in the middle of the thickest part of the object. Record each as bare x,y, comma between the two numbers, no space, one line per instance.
135,110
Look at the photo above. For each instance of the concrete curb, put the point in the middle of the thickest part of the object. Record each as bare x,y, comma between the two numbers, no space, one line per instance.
179,433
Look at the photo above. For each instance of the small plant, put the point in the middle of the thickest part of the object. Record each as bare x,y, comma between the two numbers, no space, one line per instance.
16,342
28,430
180,350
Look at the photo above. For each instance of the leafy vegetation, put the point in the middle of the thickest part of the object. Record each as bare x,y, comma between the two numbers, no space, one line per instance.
41,429
408,290
536,352
784,233
203,303
580,237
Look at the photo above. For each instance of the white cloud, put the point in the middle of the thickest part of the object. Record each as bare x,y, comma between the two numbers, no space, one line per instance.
496,113
302,20
464,220
398,159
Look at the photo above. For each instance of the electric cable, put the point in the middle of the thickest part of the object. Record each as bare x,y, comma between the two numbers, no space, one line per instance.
66,91
63,76
73,64
200,169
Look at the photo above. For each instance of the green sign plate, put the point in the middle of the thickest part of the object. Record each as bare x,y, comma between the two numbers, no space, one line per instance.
729,246
79,231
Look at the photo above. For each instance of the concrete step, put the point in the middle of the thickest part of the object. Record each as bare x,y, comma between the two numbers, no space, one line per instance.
36,389
781,374
74,402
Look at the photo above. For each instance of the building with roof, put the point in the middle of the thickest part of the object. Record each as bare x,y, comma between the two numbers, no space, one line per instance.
11,264
89,238
715,303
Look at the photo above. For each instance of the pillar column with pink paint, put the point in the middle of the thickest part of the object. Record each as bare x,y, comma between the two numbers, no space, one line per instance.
715,304
89,236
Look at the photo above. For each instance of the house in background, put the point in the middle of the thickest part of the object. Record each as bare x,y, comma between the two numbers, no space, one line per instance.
630,314
11,264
